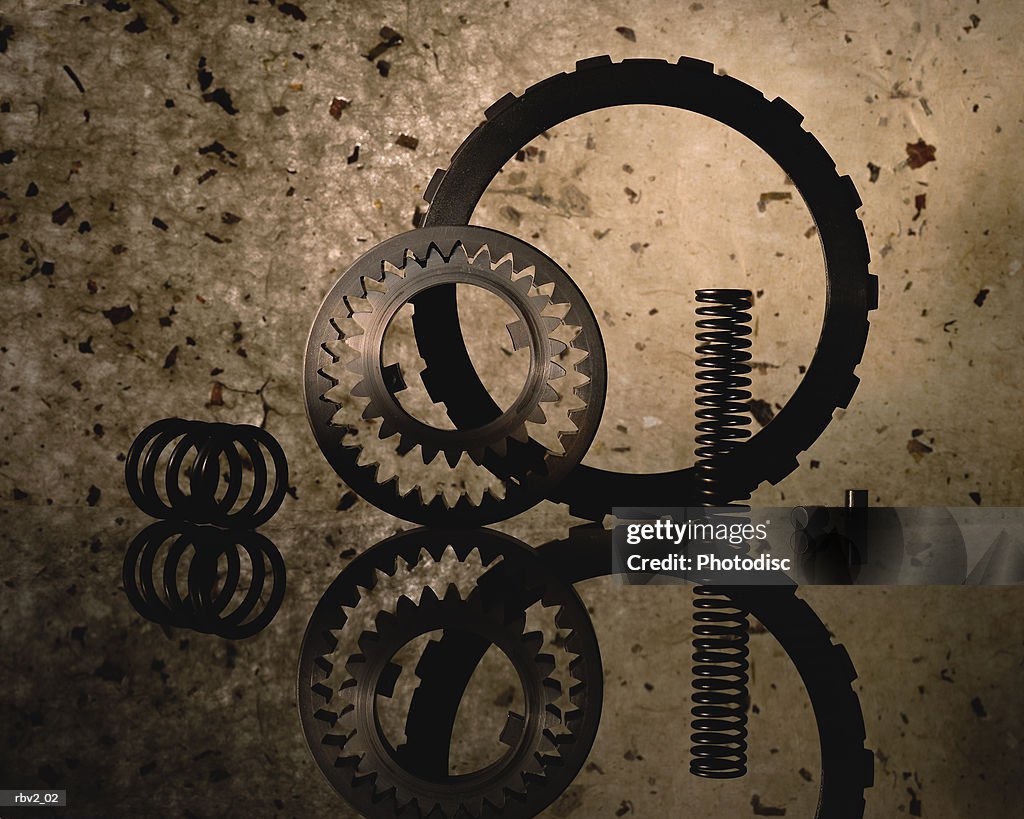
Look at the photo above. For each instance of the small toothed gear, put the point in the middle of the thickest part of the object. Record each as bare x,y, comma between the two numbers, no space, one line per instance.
403,270
338,690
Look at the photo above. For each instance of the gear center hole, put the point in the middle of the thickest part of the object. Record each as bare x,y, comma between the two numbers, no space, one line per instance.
484,318
494,692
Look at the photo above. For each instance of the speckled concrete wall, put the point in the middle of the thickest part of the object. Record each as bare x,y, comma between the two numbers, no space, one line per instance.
183,181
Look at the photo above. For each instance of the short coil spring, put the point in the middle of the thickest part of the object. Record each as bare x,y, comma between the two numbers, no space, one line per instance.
228,583
201,566
191,485
721,627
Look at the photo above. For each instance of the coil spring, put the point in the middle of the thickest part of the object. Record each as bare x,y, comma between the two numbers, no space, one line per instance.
197,450
202,594
721,627
211,522
723,414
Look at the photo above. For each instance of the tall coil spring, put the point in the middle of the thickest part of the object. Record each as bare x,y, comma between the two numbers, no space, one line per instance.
721,627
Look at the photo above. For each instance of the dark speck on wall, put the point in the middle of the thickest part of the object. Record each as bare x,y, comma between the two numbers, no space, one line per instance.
761,410
920,153
389,38
292,10
137,26
116,315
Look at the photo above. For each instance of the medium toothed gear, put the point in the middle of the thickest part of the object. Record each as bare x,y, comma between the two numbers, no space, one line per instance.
378,383
339,714
407,269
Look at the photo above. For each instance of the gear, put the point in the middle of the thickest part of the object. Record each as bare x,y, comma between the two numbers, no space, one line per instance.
338,710
851,292
403,269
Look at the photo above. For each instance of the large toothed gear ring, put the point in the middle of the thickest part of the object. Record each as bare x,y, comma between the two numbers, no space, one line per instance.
851,291
397,272
342,674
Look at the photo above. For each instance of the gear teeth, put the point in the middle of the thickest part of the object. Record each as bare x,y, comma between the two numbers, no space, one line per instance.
371,411
533,641
335,740
546,664
546,744
356,342
532,767
519,434
322,691
548,394
434,256
523,285
574,717
367,640
351,309
330,636
513,729
500,105
354,663
403,796
325,665
540,302
364,319
384,620
428,598
555,371
458,253
515,618
494,800
323,715
573,643
452,456
505,266
518,334
405,445
550,323
387,429
593,62
483,256
429,452
552,688
405,607
433,185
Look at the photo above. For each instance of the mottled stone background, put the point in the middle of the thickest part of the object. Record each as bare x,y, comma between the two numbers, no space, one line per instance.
181,182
